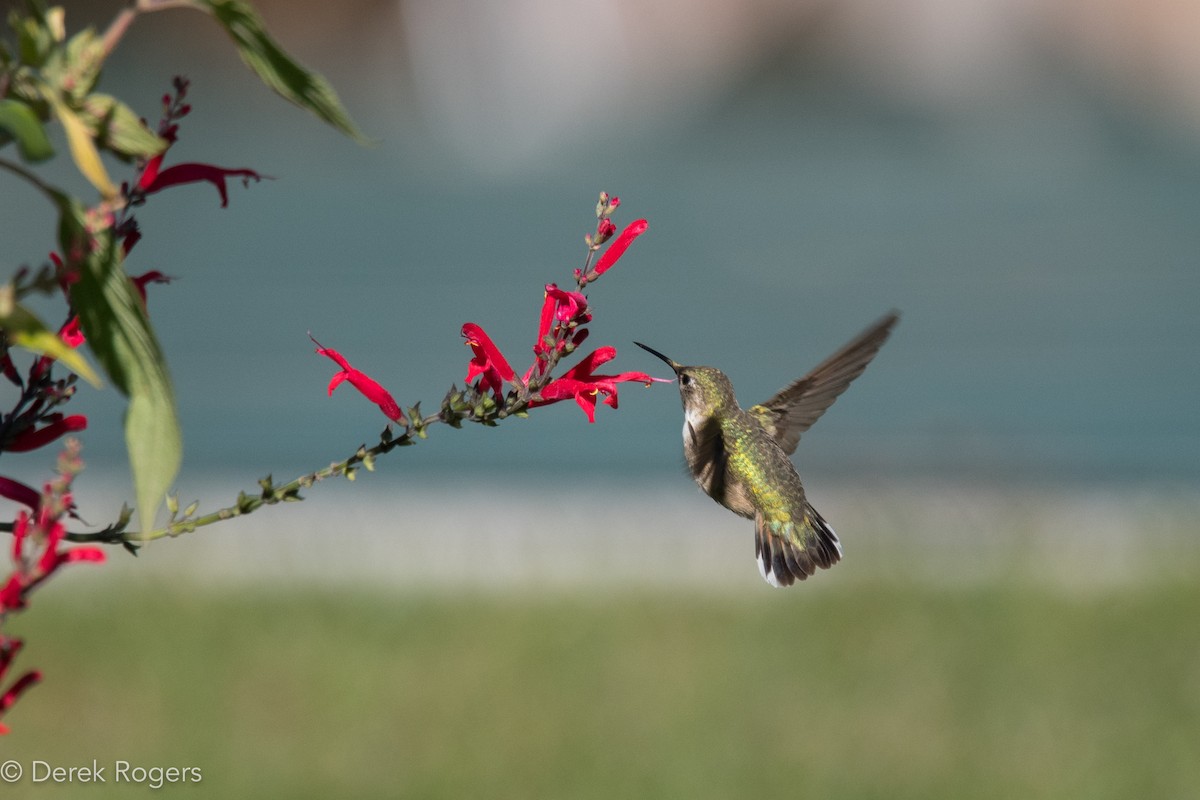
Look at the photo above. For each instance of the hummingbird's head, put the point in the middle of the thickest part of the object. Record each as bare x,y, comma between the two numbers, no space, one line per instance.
703,390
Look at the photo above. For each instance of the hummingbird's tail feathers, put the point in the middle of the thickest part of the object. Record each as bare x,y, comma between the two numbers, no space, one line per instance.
788,552
827,541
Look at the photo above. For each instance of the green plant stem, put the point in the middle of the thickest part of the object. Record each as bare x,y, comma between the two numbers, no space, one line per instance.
269,494
117,28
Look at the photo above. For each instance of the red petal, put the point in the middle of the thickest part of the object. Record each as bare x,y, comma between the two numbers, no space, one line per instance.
376,394
331,353
83,553
55,531
570,304
31,439
619,245
18,688
19,492
640,377
361,381
8,653
70,333
486,350
583,370
150,172
336,379
544,321
153,276
191,173
20,531
560,389
587,401
10,595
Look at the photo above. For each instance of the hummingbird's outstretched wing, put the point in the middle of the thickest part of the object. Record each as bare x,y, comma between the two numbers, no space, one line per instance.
796,407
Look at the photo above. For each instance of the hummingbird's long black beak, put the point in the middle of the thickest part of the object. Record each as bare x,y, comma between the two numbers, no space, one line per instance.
672,364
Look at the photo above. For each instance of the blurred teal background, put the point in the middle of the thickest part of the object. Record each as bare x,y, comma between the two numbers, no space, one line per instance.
804,167
551,608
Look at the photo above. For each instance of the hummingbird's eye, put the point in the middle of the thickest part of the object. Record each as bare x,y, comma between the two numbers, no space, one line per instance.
685,380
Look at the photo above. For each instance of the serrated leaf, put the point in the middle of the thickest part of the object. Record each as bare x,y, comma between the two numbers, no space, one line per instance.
275,67
118,128
22,124
25,330
119,335
83,149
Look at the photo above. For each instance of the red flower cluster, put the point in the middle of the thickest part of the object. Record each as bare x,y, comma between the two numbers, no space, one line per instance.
560,331
584,385
44,530
36,555
38,530
489,362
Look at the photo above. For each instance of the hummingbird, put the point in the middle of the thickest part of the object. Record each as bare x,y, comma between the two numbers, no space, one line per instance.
741,457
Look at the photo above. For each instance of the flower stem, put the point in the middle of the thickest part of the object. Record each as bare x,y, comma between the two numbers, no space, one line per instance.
268,494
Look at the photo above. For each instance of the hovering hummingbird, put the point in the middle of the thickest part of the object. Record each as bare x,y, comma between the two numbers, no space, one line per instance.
740,458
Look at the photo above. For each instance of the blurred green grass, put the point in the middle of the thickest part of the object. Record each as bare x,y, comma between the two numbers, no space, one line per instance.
880,690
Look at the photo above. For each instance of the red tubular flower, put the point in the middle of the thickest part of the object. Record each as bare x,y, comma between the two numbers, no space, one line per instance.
488,361
81,553
565,307
549,305
8,653
12,594
19,492
152,180
153,276
618,247
543,344
18,688
581,383
361,381
130,237
150,171
20,531
70,333
32,439
50,555
568,305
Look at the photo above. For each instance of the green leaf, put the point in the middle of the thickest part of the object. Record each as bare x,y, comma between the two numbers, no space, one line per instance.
275,67
118,128
20,122
119,335
24,329
83,149
74,67
38,31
